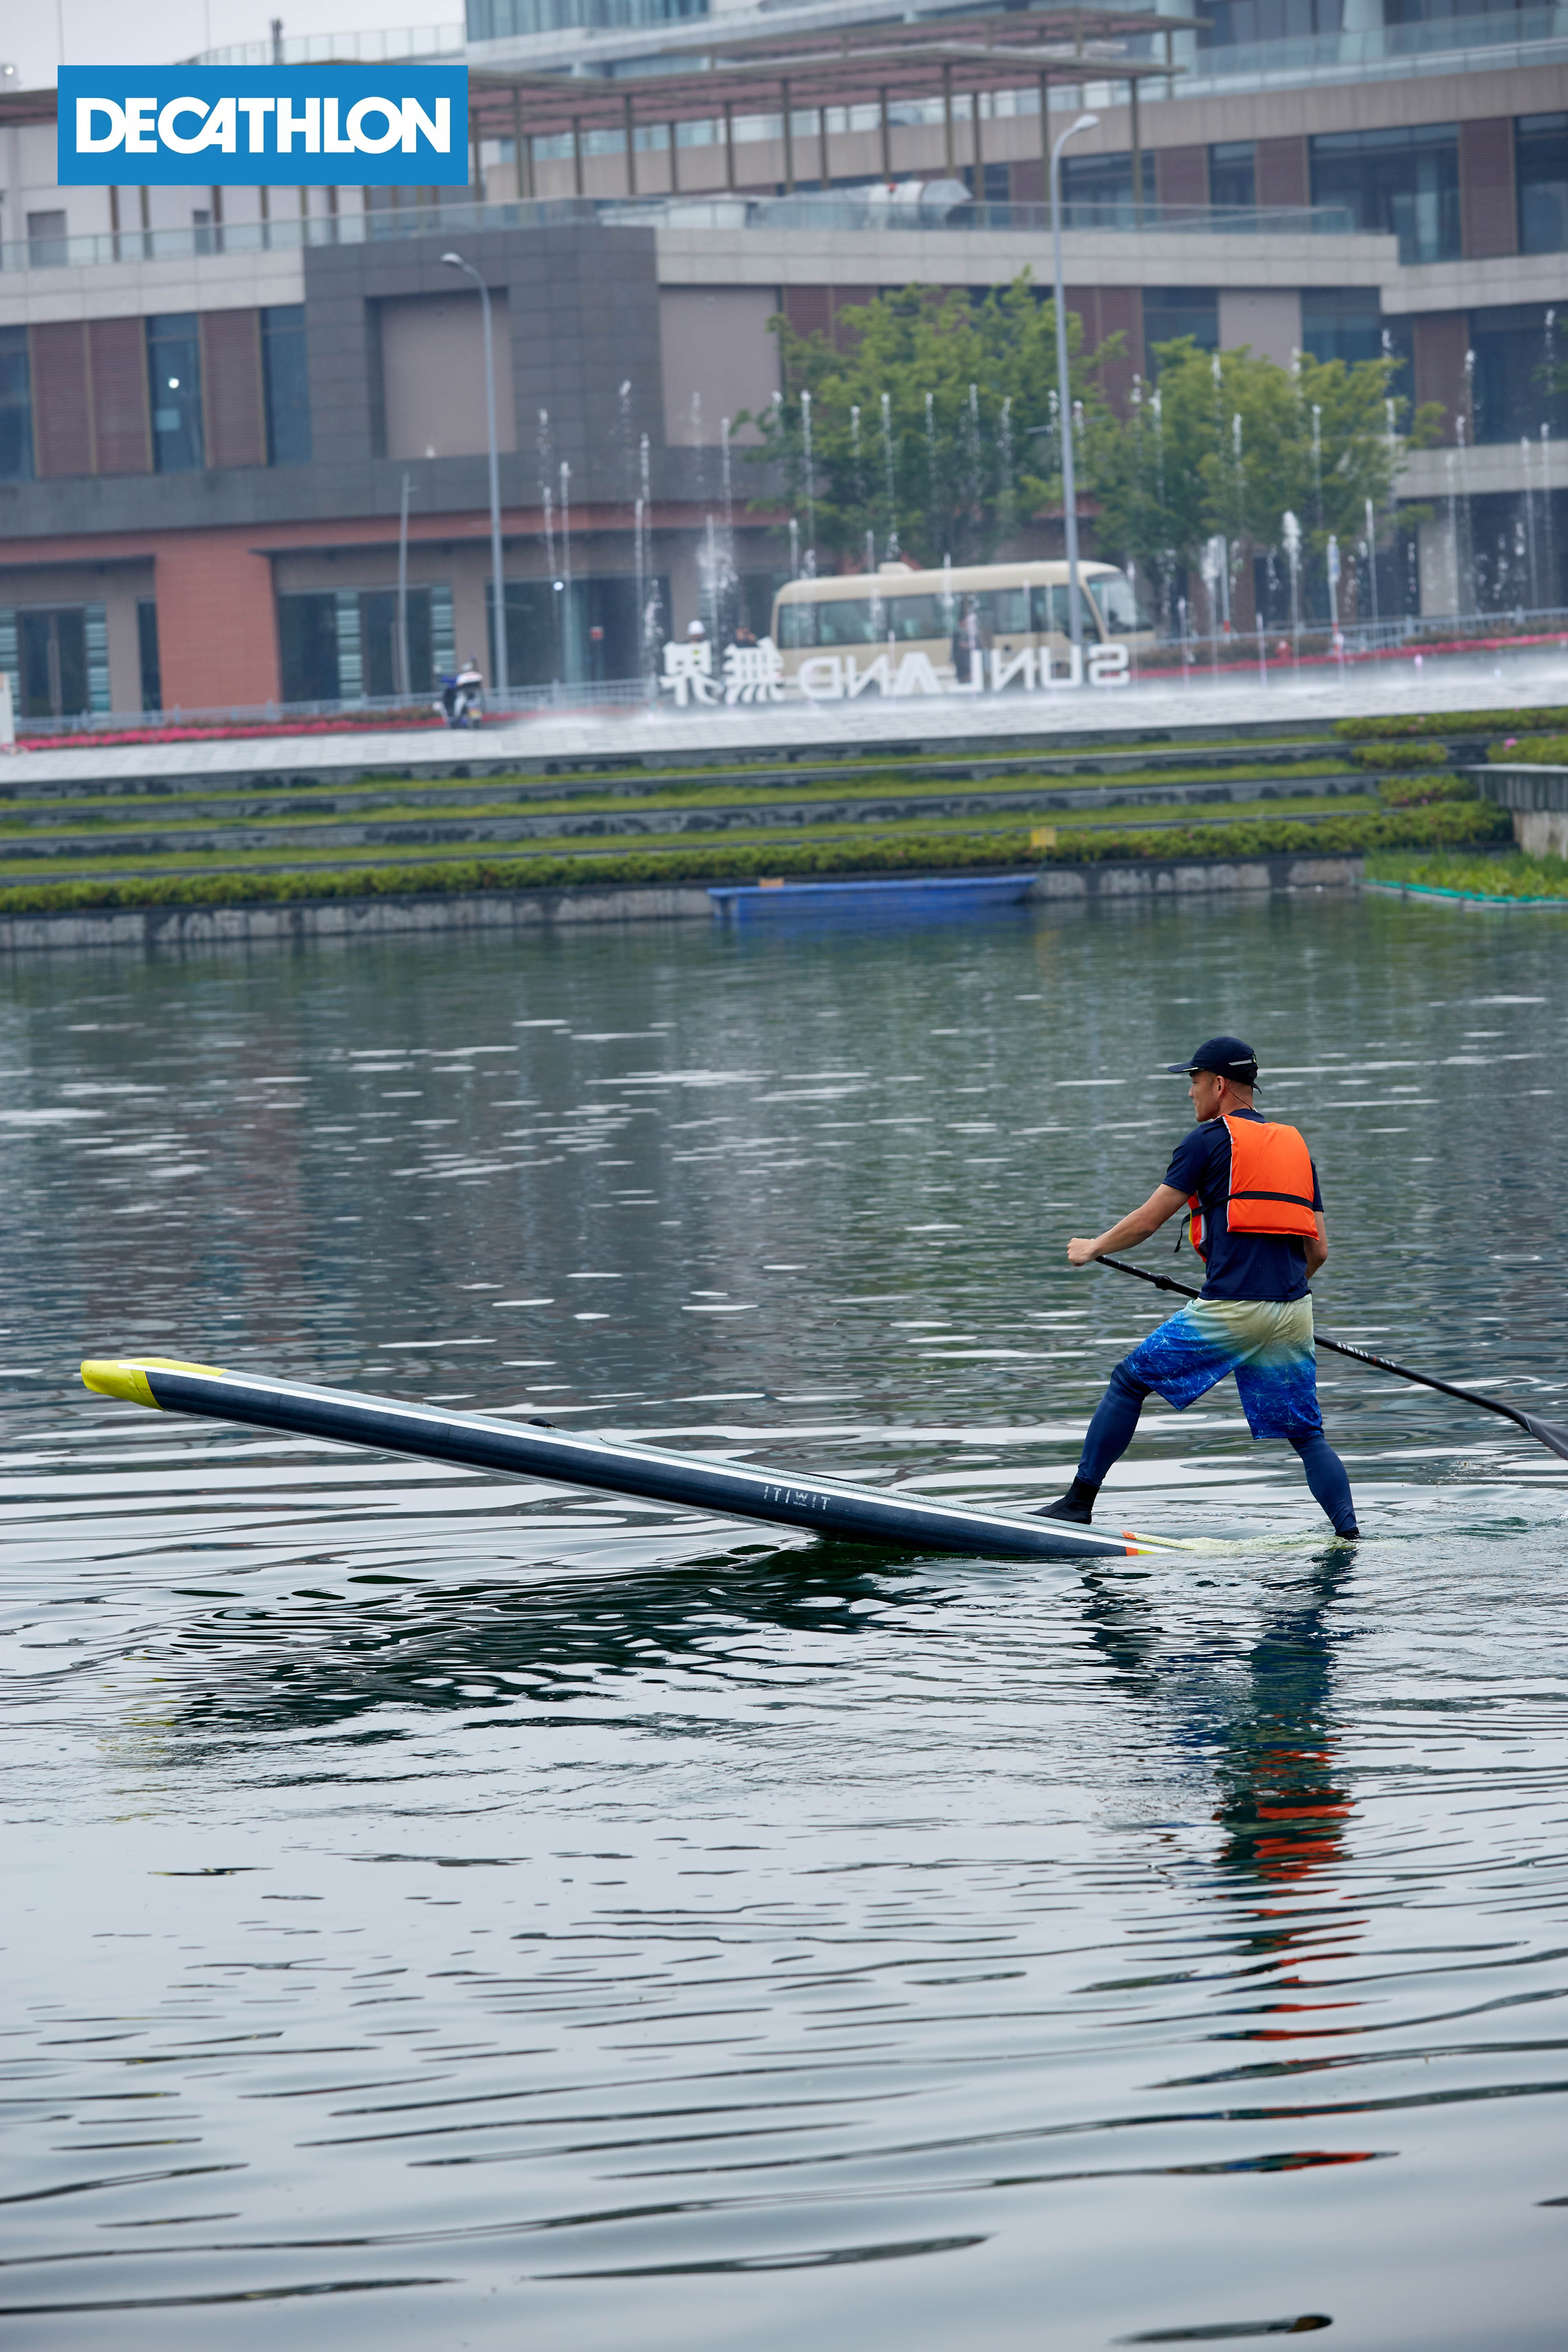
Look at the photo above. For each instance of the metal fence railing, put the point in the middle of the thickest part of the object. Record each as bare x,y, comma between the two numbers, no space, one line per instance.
852,210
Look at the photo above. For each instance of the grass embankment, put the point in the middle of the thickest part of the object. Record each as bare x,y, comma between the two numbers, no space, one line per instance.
1531,752
1438,725
898,849
312,805
1514,876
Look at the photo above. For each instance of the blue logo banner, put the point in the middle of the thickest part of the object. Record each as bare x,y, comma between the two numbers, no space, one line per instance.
173,126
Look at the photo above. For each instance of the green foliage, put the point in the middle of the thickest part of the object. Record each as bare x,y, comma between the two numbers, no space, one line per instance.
1448,722
1229,443
1468,823
1514,876
1542,751
1421,791
1400,755
969,445
694,863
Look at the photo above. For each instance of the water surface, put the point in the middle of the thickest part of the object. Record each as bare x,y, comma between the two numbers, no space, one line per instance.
449,1912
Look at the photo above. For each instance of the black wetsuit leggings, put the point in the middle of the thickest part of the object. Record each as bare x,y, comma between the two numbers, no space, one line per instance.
1110,1433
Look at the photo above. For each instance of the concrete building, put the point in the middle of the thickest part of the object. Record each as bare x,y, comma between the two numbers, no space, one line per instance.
209,410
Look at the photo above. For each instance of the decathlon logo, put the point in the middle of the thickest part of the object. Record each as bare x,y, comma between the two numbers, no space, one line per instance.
377,126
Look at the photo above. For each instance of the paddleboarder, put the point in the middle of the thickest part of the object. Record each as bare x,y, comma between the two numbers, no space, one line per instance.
1257,1209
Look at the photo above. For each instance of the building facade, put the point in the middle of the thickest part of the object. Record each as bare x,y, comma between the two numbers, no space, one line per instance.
214,404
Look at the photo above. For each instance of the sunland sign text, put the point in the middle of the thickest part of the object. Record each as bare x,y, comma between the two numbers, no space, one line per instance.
371,126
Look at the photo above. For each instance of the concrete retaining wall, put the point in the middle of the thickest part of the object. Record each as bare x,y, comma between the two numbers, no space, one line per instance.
177,929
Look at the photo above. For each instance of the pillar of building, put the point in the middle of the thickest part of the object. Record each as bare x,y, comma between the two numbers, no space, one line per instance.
218,625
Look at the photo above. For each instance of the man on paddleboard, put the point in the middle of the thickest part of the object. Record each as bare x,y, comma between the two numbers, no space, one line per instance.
1257,1224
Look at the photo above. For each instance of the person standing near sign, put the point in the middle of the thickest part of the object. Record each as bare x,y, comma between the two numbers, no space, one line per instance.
1258,1224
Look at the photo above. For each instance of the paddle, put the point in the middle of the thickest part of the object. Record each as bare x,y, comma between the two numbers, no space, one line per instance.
1553,1434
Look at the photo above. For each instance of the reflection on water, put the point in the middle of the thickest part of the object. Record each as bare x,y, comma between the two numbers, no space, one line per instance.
448,1912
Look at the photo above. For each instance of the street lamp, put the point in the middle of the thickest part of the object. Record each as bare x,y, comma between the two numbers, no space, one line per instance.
1064,393
502,678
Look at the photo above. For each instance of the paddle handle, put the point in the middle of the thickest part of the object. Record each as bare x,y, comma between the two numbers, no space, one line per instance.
1343,1347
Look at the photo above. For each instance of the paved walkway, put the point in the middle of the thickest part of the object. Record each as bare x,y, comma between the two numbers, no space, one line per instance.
1312,702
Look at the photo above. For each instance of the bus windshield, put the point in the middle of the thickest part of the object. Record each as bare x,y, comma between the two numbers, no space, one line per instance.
1118,608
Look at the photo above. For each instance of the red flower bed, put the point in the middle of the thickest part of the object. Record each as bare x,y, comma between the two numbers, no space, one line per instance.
235,731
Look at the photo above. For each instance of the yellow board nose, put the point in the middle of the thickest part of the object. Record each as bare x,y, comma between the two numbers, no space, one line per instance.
127,1378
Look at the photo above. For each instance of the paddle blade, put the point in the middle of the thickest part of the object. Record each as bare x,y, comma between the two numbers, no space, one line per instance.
1552,1434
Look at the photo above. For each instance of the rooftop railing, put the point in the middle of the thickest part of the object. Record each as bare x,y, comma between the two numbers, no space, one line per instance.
1449,45
852,212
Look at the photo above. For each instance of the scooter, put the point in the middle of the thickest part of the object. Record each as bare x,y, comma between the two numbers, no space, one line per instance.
462,700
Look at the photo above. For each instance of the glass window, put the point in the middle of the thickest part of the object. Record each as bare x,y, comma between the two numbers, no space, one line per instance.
797,626
1050,610
1404,181
500,20
1540,168
1342,322
912,620
598,635
1234,23
1513,393
15,408
308,647
1233,174
1119,607
1172,310
286,384
47,245
147,649
174,369
1097,190
847,620
62,660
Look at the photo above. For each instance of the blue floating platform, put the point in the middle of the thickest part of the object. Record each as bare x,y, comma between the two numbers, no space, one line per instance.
896,897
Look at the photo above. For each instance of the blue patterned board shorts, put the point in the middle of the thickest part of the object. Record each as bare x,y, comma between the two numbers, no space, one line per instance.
1266,1342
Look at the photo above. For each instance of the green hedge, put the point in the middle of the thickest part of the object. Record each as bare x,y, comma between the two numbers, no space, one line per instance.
1420,790
1544,751
1400,755
697,863
1511,877
1447,722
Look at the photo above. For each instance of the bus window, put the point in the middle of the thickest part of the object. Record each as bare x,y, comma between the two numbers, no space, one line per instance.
845,621
1004,611
910,619
797,626
1050,610
1123,615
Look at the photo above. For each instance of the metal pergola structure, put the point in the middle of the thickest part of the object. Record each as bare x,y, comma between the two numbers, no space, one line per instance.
932,59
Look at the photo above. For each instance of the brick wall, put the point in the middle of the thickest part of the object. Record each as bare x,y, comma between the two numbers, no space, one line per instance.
1441,339
231,388
1283,177
121,433
1182,175
218,631
62,403
1488,211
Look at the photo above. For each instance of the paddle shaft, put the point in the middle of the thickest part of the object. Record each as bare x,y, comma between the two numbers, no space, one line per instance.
1524,1421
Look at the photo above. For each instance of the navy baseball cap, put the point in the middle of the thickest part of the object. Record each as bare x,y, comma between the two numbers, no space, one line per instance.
1227,1057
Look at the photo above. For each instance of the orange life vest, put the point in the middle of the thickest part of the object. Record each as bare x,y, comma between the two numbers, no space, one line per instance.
1270,1184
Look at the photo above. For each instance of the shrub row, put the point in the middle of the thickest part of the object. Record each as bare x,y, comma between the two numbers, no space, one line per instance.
1511,877
1544,751
692,863
1421,791
1447,722
1400,755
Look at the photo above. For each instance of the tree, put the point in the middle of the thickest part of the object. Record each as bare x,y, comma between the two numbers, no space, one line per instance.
934,429
1228,444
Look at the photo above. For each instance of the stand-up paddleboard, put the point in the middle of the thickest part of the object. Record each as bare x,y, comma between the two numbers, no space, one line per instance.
825,1507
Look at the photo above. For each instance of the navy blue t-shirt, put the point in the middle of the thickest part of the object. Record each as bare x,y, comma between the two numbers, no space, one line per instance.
1243,1265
